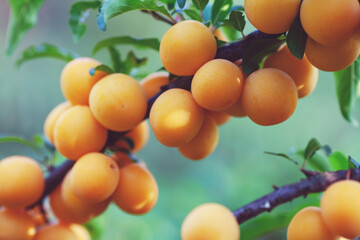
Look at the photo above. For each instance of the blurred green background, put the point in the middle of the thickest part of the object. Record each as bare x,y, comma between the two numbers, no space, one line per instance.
236,173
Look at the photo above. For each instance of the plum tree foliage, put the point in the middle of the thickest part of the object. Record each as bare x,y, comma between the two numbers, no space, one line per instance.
209,75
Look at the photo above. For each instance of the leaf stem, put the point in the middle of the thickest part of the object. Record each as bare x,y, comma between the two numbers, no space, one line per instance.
159,17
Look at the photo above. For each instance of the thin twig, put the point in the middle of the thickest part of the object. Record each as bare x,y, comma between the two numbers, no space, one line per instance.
159,17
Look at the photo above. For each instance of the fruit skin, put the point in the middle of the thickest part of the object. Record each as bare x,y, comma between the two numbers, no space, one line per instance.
217,85
236,110
333,58
302,72
272,17
118,102
309,224
16,225
269,96
21,181
339,204
83,209
55,232
186,46
76,81
94,177
152,83
210,221
326,30
175,117
77,132
220,35
204,143
137,190
63,212
139,135
80,232
51,119
219,117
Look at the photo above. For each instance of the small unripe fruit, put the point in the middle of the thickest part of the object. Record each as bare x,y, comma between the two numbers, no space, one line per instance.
21,181
118,102
340,205
137,190
94,177
269,96
309,224
16,225
210,221
76,81
175,117
186,46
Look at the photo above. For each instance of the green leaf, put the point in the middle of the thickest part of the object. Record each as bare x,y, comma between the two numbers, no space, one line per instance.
283,156
23,17
338,161
115,59
220,10
257,51
228,29
193,14
20,140
46,50
181,3
132,62
317,162
220,43
152,43
112,8
297,38
95,228
352,163
78,13
103,68
237,19
313,146
346,82
38,140
200,4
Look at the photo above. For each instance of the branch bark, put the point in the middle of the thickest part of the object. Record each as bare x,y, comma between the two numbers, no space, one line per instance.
314,183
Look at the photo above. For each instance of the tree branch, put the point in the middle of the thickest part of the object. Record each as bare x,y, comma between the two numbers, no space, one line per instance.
316,182
54,179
